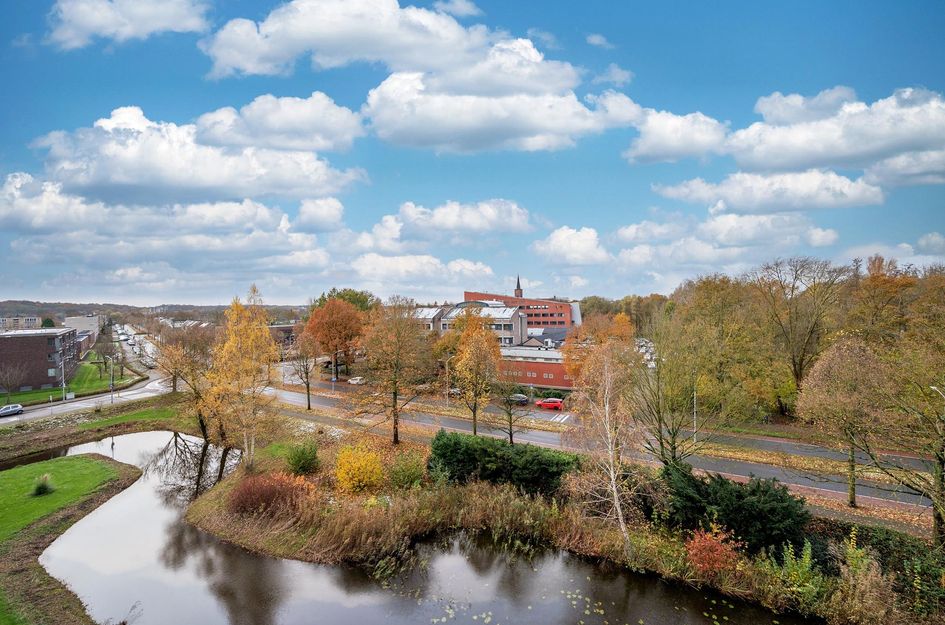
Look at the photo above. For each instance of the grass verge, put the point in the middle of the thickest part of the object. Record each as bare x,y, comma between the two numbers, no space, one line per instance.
29,595
72,478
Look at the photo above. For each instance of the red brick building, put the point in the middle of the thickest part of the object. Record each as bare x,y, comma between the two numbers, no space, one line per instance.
535,366
541,313
45,354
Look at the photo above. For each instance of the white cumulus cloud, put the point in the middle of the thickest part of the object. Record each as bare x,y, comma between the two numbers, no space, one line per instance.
780,109
128,157
748,192
312,123
459,8
599,41
570,246
75,23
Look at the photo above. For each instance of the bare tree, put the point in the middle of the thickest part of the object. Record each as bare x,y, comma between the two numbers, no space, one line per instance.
12,377
606,430
185,355
511,415
798,295
304,361
400,361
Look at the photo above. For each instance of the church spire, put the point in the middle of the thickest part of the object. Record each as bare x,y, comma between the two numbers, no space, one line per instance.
518,286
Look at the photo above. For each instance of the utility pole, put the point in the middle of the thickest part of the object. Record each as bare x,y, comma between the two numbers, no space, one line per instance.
693,415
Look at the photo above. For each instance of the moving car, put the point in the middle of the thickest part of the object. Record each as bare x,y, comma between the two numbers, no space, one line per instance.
518,398
357,380
551,403
11,409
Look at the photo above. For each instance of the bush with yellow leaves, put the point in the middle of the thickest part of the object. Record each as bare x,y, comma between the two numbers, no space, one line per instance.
358,469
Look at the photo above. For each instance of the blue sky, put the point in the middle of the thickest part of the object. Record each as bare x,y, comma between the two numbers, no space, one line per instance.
177,150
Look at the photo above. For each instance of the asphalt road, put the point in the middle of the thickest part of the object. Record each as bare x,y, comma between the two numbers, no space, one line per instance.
832,485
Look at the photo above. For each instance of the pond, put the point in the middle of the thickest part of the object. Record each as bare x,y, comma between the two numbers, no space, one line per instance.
135,558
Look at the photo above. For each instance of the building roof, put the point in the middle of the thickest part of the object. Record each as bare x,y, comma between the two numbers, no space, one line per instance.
38,332
426,312
493,312
532,353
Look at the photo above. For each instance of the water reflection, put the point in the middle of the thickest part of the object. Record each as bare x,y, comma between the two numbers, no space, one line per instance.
135,554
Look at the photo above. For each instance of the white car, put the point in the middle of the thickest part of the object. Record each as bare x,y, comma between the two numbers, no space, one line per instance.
11,409
357,380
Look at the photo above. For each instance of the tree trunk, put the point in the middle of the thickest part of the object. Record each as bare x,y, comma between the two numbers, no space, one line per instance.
200,467
226,452
851,477
202,423
308,394
475,411
394,413
174,384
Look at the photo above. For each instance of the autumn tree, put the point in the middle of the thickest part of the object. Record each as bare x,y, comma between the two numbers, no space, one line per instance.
185,355
606,429
838,398
681,400
477,363
304,361
12,377
337,327
798,296
241,373
880,301
596,330
909,396
400,360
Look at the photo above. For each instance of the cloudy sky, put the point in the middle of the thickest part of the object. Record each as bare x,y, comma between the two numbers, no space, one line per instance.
177,150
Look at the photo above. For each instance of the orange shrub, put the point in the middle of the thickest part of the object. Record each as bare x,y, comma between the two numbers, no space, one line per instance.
358,469
267,493
712,552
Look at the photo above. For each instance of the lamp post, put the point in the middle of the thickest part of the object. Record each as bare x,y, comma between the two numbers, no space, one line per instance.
111,377
446,392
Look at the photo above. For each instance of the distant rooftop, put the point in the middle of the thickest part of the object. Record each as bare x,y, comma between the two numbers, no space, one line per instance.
38,332
495,312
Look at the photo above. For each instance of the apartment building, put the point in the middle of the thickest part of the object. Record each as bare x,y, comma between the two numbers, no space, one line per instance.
509,323
45,354
20,322
86,323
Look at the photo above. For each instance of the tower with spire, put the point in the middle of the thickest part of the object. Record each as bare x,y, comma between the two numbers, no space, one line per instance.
518,286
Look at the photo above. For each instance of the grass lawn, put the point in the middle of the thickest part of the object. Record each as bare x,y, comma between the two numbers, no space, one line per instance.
7,615
148,414
84,382
73,477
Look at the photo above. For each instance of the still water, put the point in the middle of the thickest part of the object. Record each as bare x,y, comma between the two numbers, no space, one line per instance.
135,558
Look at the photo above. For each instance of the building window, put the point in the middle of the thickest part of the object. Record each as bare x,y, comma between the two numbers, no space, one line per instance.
51,373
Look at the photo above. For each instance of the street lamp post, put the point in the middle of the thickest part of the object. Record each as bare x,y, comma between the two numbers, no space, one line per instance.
111,377
446,392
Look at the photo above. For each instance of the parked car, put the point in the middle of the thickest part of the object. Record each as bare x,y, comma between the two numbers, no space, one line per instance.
551,403
11,409
357,380
518,398
456,392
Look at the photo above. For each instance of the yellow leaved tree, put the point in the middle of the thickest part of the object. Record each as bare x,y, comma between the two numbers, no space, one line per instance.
240,373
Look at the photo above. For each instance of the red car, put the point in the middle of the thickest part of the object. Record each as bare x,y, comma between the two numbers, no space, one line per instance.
551,403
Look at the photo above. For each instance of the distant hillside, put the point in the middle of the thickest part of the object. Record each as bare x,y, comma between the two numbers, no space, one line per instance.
60,310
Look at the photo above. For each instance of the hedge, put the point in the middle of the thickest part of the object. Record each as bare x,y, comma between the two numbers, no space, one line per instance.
465,457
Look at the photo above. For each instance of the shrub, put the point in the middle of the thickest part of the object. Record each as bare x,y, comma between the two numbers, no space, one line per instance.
533,469
358,469
864,596
803,584
267,493
919,570
712,552
407,471
761,513
302,459
43,485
